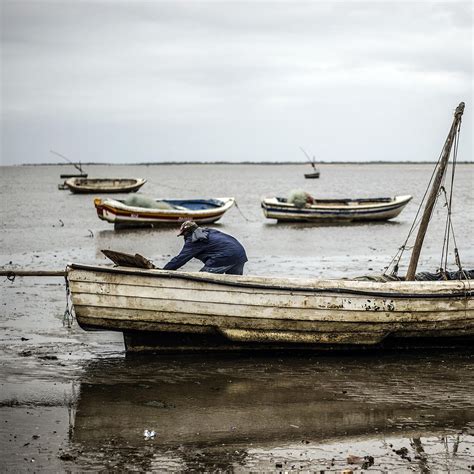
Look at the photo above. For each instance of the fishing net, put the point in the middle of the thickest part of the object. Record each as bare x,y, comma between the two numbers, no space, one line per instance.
422,276
300,198
139,200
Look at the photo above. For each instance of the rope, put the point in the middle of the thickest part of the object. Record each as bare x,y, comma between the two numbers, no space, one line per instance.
449,229
242,214
68,317
416,222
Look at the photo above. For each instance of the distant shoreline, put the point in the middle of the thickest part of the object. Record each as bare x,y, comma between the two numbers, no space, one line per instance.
267,163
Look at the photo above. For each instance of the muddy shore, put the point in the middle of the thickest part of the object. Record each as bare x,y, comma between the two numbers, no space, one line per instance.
73,401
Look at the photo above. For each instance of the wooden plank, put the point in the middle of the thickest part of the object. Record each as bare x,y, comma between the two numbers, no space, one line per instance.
248,311
143,319
159,278
295,337
258,298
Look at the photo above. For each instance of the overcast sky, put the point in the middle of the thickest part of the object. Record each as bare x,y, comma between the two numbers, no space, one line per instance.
130,81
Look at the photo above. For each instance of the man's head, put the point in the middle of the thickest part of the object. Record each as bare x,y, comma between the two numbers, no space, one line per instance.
187,227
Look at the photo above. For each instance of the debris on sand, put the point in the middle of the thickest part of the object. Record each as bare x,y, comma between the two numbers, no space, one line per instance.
149,434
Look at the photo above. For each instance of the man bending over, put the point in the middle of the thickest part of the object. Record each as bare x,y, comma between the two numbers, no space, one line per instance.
220,253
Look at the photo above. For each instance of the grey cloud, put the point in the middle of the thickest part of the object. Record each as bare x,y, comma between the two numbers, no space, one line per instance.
67,65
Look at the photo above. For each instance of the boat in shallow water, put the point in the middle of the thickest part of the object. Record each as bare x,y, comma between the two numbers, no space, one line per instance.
172,310
166,211
104,185
335,210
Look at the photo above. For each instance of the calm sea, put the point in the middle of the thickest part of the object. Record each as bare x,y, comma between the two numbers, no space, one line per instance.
45,227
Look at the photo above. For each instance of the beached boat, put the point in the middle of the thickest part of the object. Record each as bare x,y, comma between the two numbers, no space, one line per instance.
170,310
104,185
327,210
167,310
171,211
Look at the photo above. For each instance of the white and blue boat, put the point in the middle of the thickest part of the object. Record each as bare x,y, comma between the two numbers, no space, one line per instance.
162,211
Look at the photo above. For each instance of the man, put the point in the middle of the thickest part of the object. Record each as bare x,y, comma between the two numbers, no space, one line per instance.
220,253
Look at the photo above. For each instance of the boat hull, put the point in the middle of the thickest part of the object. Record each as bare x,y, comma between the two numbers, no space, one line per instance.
171,311
336,211
106,185
122,215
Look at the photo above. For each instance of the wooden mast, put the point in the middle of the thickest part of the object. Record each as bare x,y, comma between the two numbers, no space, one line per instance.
433,193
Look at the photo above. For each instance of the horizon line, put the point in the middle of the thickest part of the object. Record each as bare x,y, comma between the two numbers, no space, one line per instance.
161,163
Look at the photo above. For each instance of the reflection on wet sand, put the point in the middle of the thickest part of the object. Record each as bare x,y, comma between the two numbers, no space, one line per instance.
232,413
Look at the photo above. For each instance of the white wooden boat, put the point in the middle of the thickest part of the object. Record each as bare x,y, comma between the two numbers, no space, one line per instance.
170,310
202,211
328,210
104,185
186,311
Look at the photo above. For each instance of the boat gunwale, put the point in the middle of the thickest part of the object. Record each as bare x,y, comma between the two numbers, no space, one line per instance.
124,210
320,206
232,280
132,181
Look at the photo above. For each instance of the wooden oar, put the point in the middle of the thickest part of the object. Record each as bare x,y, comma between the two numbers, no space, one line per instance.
32,273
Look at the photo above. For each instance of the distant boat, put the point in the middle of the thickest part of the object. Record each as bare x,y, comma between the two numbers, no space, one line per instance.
312,161
104,185
329,210
167,211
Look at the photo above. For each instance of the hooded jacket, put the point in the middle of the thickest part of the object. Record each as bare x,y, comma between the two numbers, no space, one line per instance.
212,247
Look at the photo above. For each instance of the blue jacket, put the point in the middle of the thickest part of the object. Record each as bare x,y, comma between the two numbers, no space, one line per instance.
212,247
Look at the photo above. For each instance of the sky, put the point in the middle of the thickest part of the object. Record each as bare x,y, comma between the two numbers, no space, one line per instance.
158,81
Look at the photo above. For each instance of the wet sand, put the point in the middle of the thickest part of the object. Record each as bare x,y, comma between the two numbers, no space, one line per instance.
73,401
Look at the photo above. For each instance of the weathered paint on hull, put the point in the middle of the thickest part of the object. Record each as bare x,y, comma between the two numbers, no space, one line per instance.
126,216
220,310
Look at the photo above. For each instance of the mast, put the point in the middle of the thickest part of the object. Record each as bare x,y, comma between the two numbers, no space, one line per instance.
434,192
78,167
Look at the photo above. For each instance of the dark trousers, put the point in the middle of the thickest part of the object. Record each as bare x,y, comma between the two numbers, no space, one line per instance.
229,269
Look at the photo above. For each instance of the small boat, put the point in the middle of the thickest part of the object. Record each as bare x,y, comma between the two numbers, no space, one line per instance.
329,210
166,211
104,185
312,161
181,311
